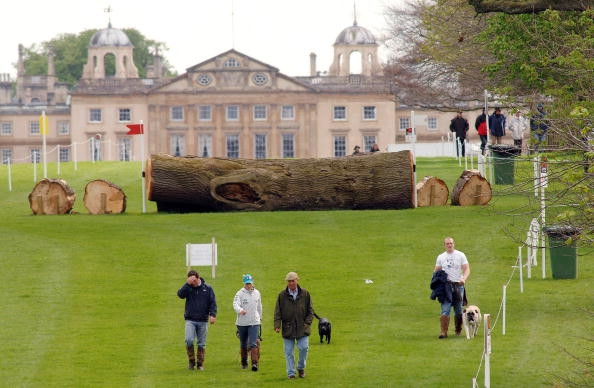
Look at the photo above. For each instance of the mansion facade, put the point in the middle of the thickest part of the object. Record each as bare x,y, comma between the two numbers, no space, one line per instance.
231,105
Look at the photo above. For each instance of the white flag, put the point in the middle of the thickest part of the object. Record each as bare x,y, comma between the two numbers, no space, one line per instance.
420,120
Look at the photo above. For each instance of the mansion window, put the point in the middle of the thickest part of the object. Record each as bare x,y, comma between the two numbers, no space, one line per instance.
6,128
288,112
368,141
124,149
339,142
34,128
63,127
288,145
260,112
204,113
35,155
233,146
404,123
369,113
177,113
205,145
95,149
339,113
95,115
231,62
260,146
6,155
232,112
432,123
178,145
124,115
64,154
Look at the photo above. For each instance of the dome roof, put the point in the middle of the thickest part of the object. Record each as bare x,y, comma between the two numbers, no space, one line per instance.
109,37
355,35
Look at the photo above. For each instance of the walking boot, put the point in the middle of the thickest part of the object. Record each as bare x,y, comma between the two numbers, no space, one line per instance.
244,358
200,363
445,323
458,322
191,357
255,354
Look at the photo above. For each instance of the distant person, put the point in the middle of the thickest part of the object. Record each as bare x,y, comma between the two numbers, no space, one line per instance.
357,150
459,125
374,148
539,127
248,307
456,267
497,126
201,308
480,124
294,314
517,125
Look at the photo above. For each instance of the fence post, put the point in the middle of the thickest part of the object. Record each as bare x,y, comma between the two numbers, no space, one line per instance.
487,349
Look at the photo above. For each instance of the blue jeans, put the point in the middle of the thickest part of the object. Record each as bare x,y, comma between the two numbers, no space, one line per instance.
248,336
195,330
447,306
302,346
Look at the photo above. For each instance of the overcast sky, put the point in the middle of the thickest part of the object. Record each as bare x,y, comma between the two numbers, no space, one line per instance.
281,33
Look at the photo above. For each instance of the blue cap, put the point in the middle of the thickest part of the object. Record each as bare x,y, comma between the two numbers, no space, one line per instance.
247,278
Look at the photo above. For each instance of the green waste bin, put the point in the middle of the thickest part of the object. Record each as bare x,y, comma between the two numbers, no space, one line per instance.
563,256
503,162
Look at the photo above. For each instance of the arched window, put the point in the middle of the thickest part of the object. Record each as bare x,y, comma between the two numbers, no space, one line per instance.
109,64
355,62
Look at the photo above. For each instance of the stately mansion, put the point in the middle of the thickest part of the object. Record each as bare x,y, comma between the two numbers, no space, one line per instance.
231,105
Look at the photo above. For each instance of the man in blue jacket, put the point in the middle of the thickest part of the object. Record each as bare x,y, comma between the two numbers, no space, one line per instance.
201,308
497,126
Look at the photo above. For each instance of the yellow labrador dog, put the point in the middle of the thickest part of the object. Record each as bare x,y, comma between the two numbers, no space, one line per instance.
471,320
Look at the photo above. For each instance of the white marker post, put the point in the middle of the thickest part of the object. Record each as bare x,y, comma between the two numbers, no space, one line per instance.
504,305
143,171
520,265
487,349
43,129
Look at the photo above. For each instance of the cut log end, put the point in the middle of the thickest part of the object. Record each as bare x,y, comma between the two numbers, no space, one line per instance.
432,191
471,189
103,197
51,196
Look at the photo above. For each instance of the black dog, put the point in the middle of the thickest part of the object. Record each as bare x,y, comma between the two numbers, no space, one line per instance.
324,329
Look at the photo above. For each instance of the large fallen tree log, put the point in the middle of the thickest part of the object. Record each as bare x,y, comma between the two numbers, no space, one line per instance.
191,184
51,196
103,197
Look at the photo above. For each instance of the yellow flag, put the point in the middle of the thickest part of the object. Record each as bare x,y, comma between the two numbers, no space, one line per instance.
43,125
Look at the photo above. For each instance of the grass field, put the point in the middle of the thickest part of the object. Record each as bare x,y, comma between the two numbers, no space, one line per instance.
91,300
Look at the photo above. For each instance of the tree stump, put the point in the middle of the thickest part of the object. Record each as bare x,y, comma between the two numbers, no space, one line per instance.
191,184
471,189
51,196
103,197
432,191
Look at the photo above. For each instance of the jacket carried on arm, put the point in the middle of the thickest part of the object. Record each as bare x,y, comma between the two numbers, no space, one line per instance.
200,302
441,290
293,316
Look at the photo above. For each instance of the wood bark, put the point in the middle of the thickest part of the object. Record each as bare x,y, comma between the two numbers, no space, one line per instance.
432,191
190,184
471,189
529,6
51,196
103,197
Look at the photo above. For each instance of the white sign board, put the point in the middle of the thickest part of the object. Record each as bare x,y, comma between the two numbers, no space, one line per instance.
202,255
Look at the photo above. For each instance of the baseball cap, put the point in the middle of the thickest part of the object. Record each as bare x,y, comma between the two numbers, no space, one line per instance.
247,278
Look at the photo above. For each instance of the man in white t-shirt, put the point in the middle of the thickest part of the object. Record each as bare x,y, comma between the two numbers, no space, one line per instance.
455,265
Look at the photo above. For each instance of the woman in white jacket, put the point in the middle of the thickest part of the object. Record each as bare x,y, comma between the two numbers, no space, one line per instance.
248,306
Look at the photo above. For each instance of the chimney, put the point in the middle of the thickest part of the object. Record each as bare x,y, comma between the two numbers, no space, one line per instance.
312,65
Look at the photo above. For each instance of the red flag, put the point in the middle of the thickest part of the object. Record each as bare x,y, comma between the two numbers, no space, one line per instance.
135,129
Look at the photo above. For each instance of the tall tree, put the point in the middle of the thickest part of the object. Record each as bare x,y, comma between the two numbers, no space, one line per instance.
524,59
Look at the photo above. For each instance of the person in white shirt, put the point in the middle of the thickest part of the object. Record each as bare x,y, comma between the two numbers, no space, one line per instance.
248,306
455,264
518,125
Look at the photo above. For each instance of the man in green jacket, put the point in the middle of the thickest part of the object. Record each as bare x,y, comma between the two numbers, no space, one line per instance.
294,313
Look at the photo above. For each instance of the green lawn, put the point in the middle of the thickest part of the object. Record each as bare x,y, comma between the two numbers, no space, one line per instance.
91,300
